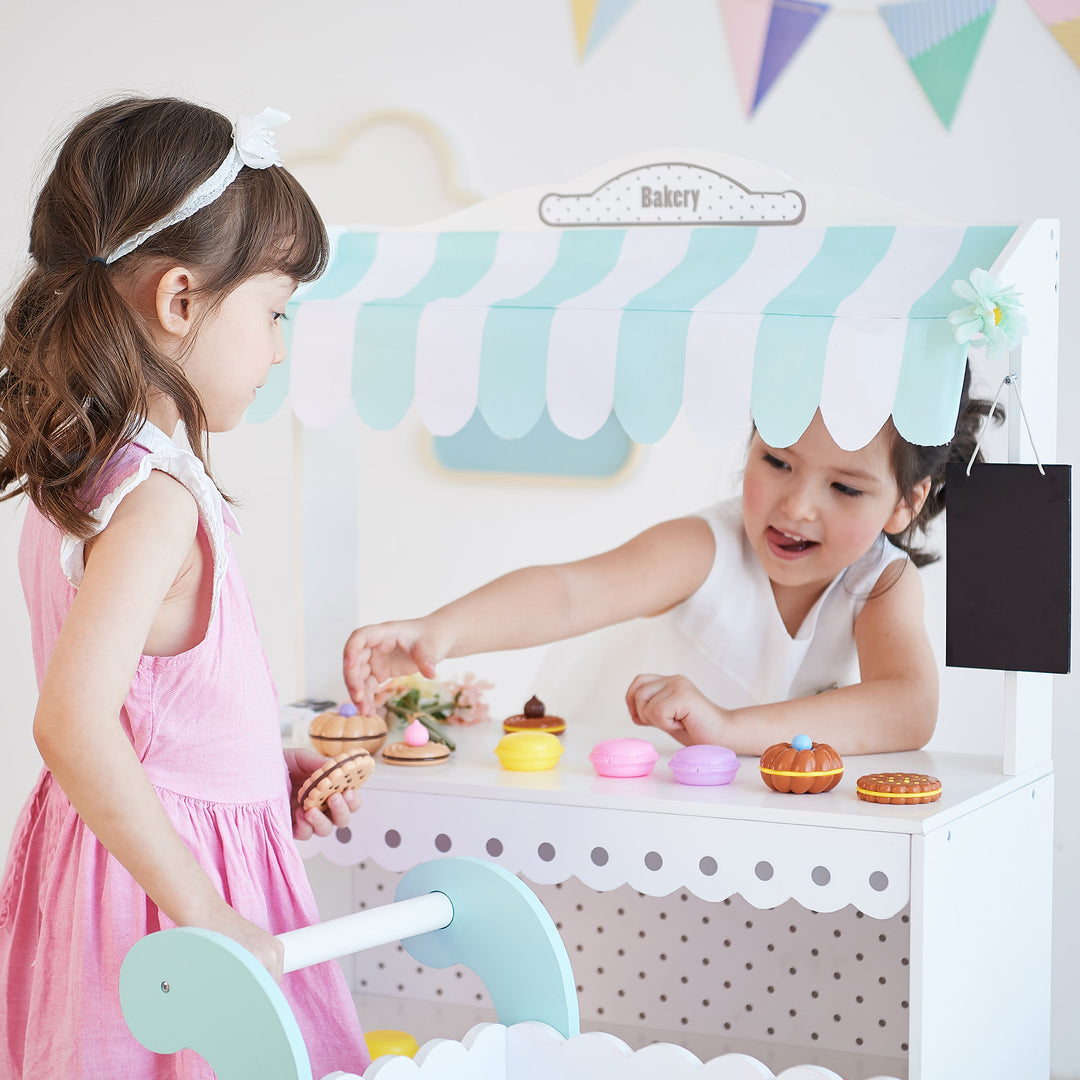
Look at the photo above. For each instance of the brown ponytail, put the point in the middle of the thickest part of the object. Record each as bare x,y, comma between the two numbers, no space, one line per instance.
78,366
911,464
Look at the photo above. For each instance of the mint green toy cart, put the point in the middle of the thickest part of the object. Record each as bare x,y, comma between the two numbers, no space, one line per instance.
189,988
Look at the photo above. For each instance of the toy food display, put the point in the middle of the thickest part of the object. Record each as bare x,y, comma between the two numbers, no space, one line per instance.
704,765
347,770
343,728
900,788
623,757
534,718
417,749
528,751
801,767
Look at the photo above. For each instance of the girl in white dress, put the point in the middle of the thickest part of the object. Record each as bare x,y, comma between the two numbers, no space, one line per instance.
795,608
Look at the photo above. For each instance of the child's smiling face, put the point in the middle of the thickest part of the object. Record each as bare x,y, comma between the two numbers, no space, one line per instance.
811,509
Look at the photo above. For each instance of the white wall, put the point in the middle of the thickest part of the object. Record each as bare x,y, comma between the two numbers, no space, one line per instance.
501,78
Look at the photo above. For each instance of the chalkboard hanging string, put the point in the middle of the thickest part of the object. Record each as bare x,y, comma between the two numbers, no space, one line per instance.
1012,380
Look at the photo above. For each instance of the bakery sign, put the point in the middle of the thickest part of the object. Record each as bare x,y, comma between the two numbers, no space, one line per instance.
673,193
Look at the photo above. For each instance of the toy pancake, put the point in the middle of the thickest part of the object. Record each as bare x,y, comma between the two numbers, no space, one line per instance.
533,717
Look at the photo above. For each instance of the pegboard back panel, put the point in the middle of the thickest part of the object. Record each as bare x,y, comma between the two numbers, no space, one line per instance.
768,864
678,964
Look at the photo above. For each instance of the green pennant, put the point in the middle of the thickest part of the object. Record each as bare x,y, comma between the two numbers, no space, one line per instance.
944,68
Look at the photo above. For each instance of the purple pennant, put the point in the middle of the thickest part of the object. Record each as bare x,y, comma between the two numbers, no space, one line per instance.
789,26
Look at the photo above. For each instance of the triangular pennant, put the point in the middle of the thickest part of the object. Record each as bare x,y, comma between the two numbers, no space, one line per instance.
1063,19
593,20
790,23
940,40
746,23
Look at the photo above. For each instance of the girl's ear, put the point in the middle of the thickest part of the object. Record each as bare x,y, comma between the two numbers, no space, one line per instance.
908,509
172,302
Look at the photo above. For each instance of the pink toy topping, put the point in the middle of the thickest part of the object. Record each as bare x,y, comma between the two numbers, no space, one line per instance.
416,734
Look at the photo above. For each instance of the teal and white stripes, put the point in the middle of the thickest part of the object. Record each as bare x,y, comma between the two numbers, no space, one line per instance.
642,322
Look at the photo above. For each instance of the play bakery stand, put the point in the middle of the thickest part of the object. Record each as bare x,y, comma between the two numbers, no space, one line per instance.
907,941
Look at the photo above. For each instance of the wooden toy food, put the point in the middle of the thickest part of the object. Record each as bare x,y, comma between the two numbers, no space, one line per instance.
704,765
345,771
418,748
801,767
900,788
528,751
533,717
625,757
344,728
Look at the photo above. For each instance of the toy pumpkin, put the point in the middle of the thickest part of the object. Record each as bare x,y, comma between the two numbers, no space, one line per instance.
343,729
801,767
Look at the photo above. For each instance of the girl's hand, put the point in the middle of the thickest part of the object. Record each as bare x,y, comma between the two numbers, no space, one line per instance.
302,762
266,948
674,704
374,654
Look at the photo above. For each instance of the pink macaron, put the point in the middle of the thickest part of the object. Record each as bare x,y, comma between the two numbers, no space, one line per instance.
623,757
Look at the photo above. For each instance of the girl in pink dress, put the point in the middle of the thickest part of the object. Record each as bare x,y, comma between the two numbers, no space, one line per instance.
165,246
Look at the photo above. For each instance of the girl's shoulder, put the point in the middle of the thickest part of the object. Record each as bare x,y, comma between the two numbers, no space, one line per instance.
150,451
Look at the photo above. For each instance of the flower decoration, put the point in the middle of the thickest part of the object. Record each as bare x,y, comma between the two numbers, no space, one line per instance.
435,703
993,317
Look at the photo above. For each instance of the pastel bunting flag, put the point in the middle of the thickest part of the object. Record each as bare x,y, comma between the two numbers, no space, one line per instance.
594,19
1063,19
763,38
940,40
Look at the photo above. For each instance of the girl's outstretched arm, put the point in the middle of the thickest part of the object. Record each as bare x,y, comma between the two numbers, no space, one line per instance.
645,576
136,568
893,708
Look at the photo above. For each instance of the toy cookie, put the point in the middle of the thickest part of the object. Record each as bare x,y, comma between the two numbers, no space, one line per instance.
900,788
417,749
348,770
801,767
533,718
343,728
528,751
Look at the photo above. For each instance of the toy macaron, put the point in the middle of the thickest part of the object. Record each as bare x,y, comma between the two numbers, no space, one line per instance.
801,767
623,757
703,765
342,773
528,751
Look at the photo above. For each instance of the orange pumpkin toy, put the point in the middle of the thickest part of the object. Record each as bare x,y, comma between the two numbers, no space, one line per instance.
344,729
801,767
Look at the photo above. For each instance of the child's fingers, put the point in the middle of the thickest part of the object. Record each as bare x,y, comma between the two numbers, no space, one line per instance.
640,692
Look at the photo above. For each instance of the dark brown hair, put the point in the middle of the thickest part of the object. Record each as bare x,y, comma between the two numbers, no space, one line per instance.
78,366
912,463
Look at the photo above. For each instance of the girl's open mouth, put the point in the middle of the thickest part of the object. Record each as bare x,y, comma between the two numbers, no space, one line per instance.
787,545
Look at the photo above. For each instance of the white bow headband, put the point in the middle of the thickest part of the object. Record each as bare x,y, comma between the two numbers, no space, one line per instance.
253,145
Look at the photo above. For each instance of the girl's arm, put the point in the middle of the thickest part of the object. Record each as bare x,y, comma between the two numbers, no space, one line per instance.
645,576
893,708
125,597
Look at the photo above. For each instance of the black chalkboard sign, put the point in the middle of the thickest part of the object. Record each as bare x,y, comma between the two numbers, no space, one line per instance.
1008,567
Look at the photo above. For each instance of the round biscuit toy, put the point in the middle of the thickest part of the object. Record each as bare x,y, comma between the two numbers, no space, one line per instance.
900,788
342,773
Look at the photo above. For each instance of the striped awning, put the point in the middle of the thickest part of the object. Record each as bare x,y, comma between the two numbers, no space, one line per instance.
719,321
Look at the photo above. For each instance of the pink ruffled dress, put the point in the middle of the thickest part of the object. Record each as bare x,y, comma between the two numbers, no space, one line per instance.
205,726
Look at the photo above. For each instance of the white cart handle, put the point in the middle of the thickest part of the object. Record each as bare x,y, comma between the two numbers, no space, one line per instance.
365,929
